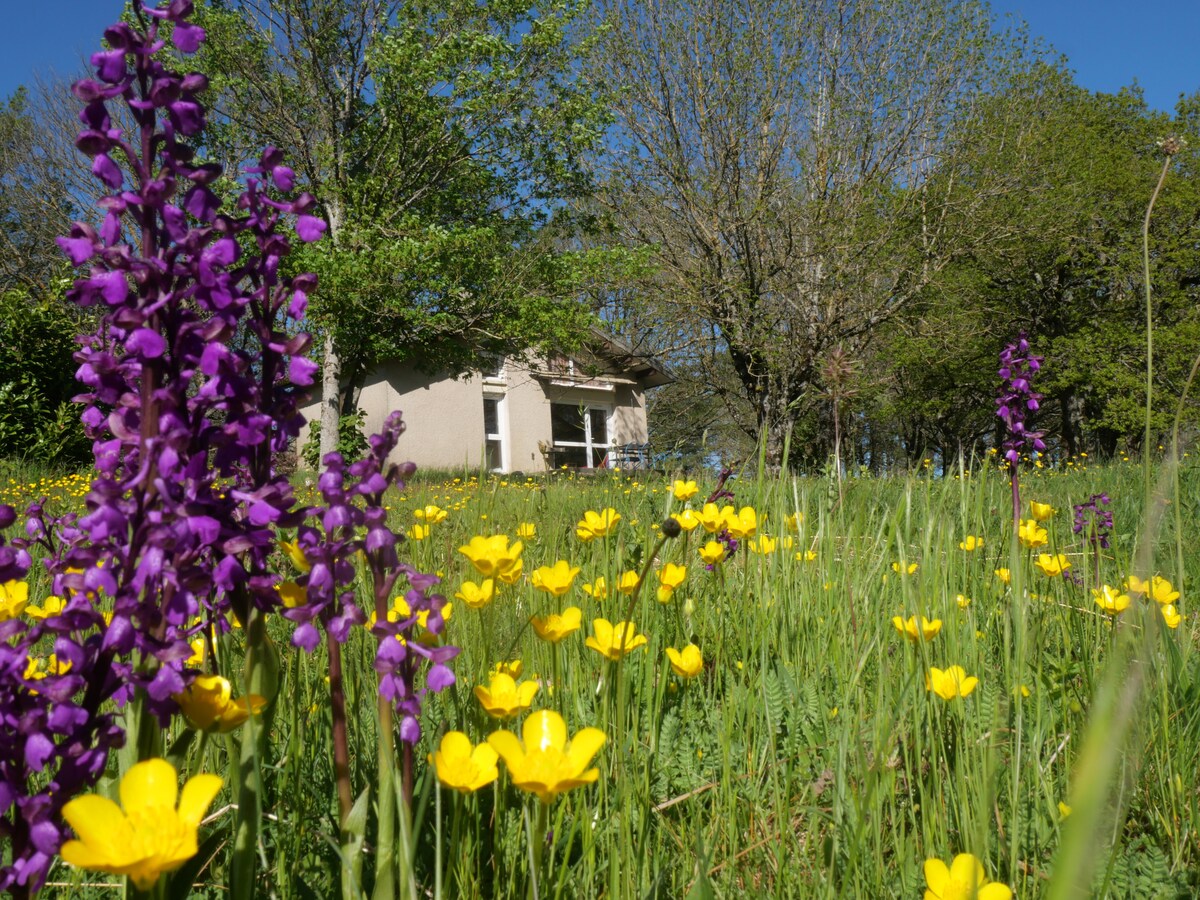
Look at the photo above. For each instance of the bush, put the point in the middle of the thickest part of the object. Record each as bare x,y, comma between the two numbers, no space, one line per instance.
351,442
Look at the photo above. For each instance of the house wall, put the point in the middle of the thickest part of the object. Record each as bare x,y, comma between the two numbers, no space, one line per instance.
444,418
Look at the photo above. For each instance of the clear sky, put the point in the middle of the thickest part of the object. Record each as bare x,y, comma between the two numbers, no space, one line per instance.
1109,43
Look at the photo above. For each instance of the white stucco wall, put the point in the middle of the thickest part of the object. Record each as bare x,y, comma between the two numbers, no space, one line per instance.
444,417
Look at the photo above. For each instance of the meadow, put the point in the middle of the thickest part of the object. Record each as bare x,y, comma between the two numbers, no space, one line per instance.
819,745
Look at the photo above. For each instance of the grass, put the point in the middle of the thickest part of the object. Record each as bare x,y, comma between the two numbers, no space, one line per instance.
807,759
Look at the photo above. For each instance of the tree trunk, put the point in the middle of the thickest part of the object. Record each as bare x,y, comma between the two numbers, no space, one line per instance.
331,363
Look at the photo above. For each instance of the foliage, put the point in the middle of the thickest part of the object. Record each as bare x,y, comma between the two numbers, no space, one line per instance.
351,440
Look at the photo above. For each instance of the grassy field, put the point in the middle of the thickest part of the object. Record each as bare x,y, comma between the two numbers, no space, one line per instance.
807,757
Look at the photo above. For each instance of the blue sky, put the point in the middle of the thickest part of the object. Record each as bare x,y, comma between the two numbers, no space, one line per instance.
1109,43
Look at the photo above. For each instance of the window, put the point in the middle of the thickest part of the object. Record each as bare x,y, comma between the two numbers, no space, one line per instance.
493,448
580,435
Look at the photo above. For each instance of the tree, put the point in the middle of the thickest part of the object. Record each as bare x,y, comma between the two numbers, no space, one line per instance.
790,162
442,139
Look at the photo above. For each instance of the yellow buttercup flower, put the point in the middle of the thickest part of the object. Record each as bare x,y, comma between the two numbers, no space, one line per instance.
14,597
51,606
793,521
527,531
512,668
764,545
598,589
670,577
1170,615
199,650
901,569
687,520
683,491
614,641
962,600
555,580
1063,809
1157,588
686,663
742,524
628,582
925,631
207,704
417,532
950,683
492,556
35,670
1031,534
1004,575
712,552
477,596
1041,511
1052,566
597,524
555,627
546,763
712,517
430,515
463,767
503,698
150,835
1111,600
806,555
291,594
291,549
970,543
963,879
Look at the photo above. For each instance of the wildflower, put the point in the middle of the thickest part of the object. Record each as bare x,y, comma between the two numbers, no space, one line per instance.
512,668
598,589
926,631
684,491
712,552
198,653
463,767
614,641
527,531
417,532
430,515
963,879
51,606
950,683
36,671
1017,398
1157,587
503,698
1098,522
1052,566
555,627
1031,534
793,521
1004,575
14,597
1170,615
545,762
477,596
1111,600
687,520
670,577
970,543
900,569
492,556
291,595
594,525
742,524
1041,511
686,663
962,600
628,582
764,545
806,555
555,580
292,550
207,705
712,517
1063,809
150,835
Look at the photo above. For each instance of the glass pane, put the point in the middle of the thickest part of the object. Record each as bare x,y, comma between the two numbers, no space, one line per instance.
598,454
575,457
491,416
493,460
599,426
566,423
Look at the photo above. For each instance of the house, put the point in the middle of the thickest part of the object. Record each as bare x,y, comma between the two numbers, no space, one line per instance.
584,411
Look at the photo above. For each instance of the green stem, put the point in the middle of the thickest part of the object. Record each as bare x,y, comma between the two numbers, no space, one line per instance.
1149,329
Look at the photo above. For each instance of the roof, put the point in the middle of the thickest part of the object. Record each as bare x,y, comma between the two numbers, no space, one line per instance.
645,368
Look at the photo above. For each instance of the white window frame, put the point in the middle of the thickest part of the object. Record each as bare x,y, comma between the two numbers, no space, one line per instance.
588,444
499,436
